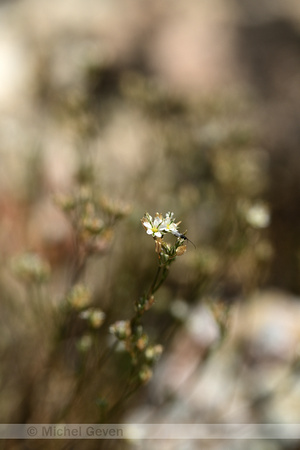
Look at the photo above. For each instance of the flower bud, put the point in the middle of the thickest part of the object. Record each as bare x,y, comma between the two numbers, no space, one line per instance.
93,225
84,343
181,250
145,374
153,353
79,297
121,329
142,342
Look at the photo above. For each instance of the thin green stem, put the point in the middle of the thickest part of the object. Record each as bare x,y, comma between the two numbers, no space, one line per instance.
163,277
152,287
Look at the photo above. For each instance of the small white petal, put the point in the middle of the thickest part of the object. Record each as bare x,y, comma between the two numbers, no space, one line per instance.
172,227
157,222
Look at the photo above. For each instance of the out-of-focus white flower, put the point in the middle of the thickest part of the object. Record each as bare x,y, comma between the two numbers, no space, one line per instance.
94,316
258,216
179,309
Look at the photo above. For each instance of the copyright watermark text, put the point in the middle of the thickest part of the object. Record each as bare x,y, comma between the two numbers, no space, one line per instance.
150,431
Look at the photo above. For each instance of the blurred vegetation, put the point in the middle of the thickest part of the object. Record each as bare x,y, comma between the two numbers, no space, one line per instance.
201,160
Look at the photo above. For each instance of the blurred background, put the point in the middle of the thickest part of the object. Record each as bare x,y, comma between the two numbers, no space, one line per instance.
191,107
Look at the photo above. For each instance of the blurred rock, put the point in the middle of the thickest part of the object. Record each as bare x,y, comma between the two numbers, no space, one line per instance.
251,378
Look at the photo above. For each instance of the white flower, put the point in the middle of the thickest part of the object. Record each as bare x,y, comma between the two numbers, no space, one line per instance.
169,225
258,216
153,227
170,216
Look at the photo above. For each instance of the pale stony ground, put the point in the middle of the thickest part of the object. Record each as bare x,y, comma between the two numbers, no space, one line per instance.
251,378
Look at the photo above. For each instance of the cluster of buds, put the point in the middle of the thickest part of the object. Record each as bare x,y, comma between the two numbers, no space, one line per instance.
79,297
144,304
94,316
121,329
79,300
158,228
136,343
131,333
93,218
78,309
